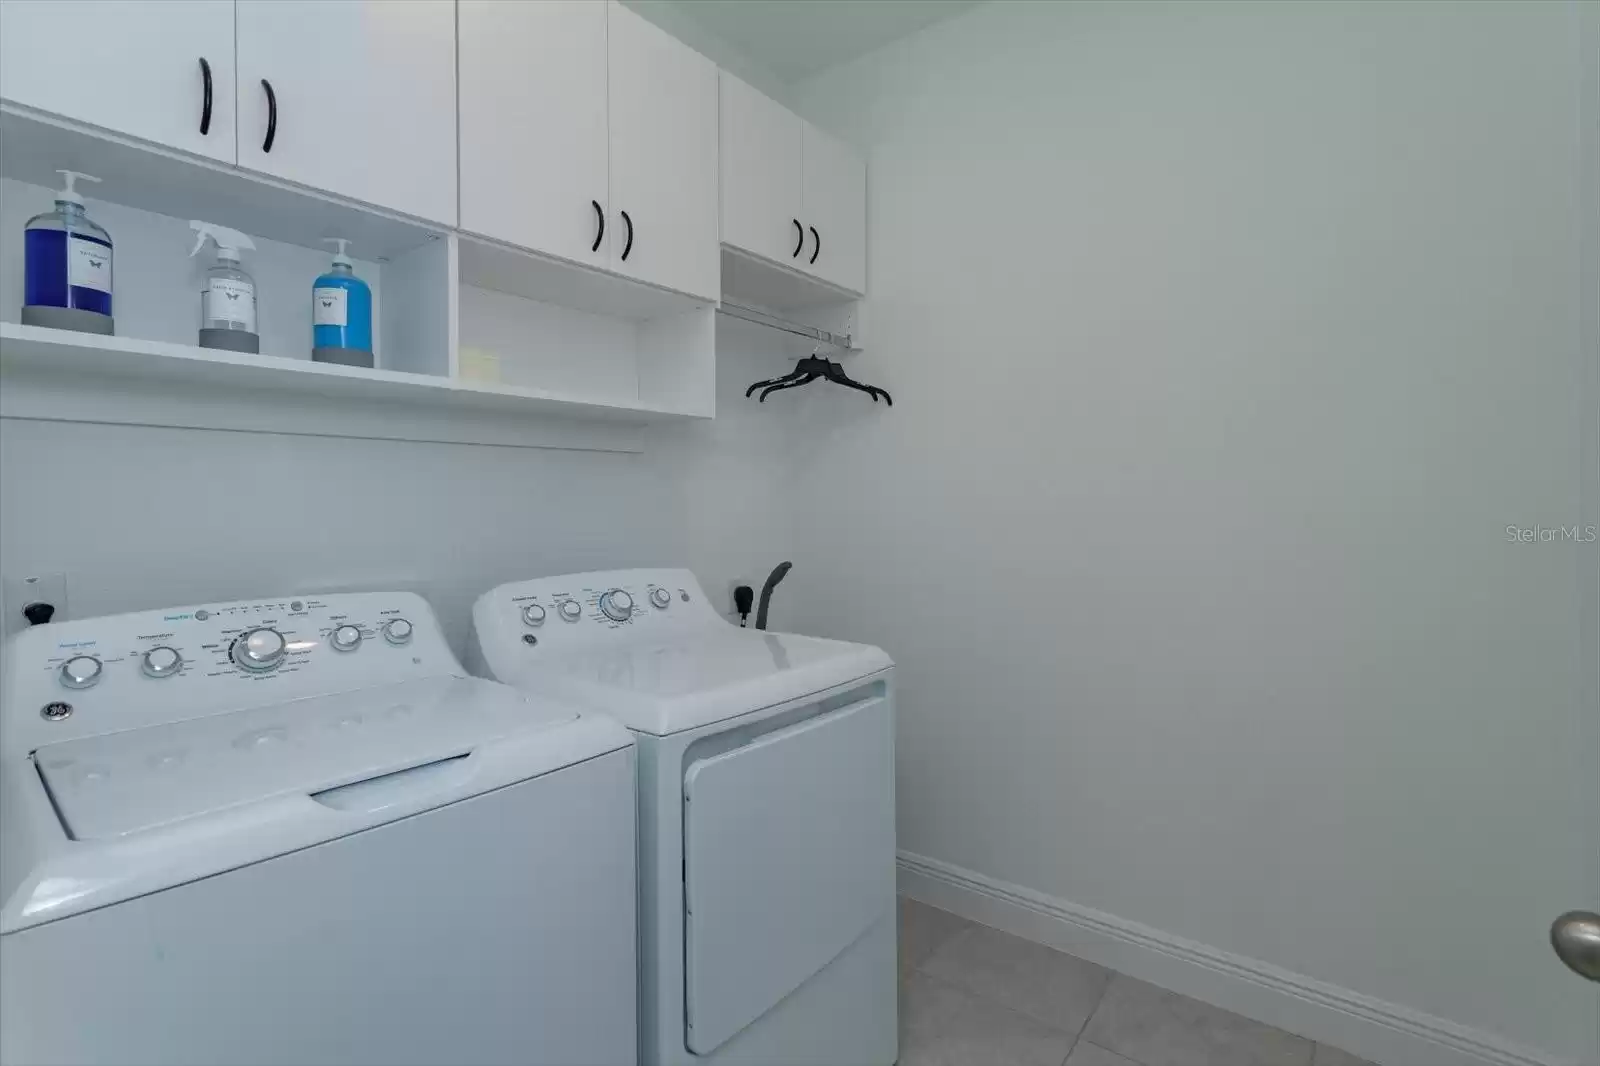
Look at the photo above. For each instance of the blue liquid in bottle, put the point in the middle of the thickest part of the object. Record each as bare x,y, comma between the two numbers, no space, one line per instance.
341,313
47,278
67,264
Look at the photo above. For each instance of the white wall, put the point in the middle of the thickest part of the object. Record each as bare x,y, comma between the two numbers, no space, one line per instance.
1225,341
160,517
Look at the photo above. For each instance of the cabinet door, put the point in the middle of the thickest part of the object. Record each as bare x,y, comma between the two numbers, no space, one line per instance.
835,203
533,125
663,158
138,69
364,96
760,157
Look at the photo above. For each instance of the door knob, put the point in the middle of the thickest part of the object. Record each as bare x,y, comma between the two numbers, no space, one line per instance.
1576,938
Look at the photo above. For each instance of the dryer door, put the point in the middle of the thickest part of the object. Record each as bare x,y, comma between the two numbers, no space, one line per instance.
789,857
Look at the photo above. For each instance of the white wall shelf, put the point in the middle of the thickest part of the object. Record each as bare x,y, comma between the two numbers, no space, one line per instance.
58,374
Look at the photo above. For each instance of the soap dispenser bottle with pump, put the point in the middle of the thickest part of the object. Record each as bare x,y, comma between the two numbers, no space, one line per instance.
341,313
67,266
228,300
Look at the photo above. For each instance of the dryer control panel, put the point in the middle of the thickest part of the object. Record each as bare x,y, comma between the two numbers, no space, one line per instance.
101,675
579,611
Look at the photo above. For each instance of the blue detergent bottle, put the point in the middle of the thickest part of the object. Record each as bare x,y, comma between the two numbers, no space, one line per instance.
341,313
67,266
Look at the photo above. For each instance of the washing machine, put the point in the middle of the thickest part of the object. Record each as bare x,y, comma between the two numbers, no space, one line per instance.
294,831
766,802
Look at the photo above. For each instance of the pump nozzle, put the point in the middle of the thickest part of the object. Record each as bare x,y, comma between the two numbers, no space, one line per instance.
229,241
69,193
340,258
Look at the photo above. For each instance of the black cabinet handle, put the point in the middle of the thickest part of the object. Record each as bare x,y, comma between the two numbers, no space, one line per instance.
205,108
818,238
601,215
799,239
272,115
628,245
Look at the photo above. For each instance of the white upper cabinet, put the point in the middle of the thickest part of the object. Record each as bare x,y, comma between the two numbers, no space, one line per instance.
590,135
791,193
534,142
663,119
834,200
760,173
147,69
356,97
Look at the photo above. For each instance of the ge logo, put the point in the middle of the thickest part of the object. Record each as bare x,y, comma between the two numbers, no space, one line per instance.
55,710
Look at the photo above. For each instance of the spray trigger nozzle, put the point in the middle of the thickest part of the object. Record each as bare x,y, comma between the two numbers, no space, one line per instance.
229,241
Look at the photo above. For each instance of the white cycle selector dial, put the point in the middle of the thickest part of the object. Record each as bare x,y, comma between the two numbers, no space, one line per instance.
260,649
397,631
346,638
80,671
660,597
533,614
161,662
571,610
617,605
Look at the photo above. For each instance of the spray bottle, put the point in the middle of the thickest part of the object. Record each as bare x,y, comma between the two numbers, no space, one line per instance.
341,313
67,266
228,300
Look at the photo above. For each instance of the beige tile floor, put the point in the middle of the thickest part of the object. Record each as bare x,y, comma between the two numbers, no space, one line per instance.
974,996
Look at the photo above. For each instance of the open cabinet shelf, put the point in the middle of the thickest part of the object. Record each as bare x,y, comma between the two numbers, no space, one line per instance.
528,321
474,339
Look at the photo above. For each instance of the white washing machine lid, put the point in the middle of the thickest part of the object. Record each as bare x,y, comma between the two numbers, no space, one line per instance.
705,676
122,783
144,809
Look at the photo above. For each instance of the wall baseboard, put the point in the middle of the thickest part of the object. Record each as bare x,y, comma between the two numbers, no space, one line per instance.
1371,1028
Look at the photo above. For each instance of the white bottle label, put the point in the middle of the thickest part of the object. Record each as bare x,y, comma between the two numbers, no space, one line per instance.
233,302
89,265
330,307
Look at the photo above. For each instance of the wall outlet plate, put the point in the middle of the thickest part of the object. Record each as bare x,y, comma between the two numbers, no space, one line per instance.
17,592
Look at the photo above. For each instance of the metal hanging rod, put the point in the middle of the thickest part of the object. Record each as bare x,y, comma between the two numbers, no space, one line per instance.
771,321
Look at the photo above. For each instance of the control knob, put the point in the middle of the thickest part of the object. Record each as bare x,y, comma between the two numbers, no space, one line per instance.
660,597
260,649
533,614
397,631
81,671
161,661
617,605
571,610
346,638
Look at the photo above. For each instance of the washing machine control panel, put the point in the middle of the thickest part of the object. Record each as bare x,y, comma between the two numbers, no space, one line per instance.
99,675
545,615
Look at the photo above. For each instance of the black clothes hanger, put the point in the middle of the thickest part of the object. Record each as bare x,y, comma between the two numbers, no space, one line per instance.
837,375
790,376
788,383
810,369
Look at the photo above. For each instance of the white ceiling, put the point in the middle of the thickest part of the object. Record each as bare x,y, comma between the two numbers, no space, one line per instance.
794,39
